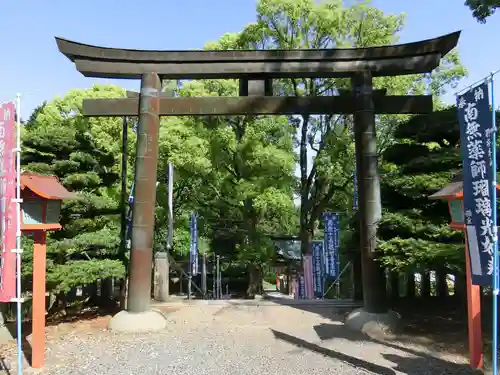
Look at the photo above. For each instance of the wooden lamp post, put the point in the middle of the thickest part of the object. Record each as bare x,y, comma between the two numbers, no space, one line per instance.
453,193
42,197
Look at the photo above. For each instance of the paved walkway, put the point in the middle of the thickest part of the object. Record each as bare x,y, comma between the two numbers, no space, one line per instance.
241,339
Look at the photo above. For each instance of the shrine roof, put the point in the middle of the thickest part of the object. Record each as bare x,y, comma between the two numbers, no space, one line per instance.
47,187
454,190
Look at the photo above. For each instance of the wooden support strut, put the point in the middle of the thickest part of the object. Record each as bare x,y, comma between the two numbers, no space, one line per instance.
256,87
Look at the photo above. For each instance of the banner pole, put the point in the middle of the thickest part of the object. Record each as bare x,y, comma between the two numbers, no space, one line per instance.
191,253
18,238
170,182
476,82
495,231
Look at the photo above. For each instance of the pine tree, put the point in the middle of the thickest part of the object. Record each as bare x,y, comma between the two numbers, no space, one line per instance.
87,248
414,230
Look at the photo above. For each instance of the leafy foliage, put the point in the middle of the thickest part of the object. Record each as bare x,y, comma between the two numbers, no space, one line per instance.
482,9
57,141
326,151
414,231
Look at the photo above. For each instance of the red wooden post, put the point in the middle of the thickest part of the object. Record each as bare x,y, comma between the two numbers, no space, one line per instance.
473,315
38,324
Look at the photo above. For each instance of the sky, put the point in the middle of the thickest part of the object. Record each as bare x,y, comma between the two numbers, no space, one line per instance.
31,65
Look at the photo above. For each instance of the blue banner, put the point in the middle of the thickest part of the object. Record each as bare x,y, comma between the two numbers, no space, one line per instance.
193,249
317,268
475,121
331,223
302,287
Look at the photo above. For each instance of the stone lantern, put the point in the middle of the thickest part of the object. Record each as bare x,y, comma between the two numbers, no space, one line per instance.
42,197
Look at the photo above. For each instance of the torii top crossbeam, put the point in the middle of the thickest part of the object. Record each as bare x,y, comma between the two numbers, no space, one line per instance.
410,58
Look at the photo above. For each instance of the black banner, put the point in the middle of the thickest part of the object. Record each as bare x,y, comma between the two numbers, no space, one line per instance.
474,116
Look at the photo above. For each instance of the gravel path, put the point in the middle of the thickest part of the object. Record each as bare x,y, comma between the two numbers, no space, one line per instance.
241,340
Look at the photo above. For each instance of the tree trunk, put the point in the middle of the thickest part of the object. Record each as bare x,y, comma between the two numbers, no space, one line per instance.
306,234
106,298
288,279
461,287
394,285
59,306
123,293
357,276
255,278
410,285
425,284
441,283
306,237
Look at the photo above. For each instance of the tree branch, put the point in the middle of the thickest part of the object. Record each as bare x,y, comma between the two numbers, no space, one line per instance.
314,168
321,203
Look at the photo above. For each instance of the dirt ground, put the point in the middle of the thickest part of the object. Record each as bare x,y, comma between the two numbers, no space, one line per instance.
430,344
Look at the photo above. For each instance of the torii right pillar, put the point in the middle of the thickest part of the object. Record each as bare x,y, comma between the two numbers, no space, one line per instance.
374,318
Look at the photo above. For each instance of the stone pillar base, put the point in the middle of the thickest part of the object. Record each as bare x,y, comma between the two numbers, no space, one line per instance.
374,325
148,321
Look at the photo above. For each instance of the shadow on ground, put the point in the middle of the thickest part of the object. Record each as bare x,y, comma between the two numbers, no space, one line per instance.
442,325
355,362
413,363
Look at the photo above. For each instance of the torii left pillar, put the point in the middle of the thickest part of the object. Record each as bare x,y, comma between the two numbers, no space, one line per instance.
138,317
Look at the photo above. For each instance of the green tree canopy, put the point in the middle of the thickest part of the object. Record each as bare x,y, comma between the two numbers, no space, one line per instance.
482,9
325,146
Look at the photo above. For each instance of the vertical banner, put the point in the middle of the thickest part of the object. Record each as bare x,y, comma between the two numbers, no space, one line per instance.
302,288
193,251
317,254
8,223
475,137
331,224
337,245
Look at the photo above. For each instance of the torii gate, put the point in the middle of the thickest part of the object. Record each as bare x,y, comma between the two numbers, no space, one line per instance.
255,71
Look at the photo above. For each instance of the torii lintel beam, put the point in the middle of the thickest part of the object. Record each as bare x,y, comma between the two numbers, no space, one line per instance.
409,58
257,105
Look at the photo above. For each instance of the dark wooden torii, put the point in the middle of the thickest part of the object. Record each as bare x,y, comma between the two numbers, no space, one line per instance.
255,70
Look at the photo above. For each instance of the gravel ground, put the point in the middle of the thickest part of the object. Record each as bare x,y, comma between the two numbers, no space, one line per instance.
243,340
